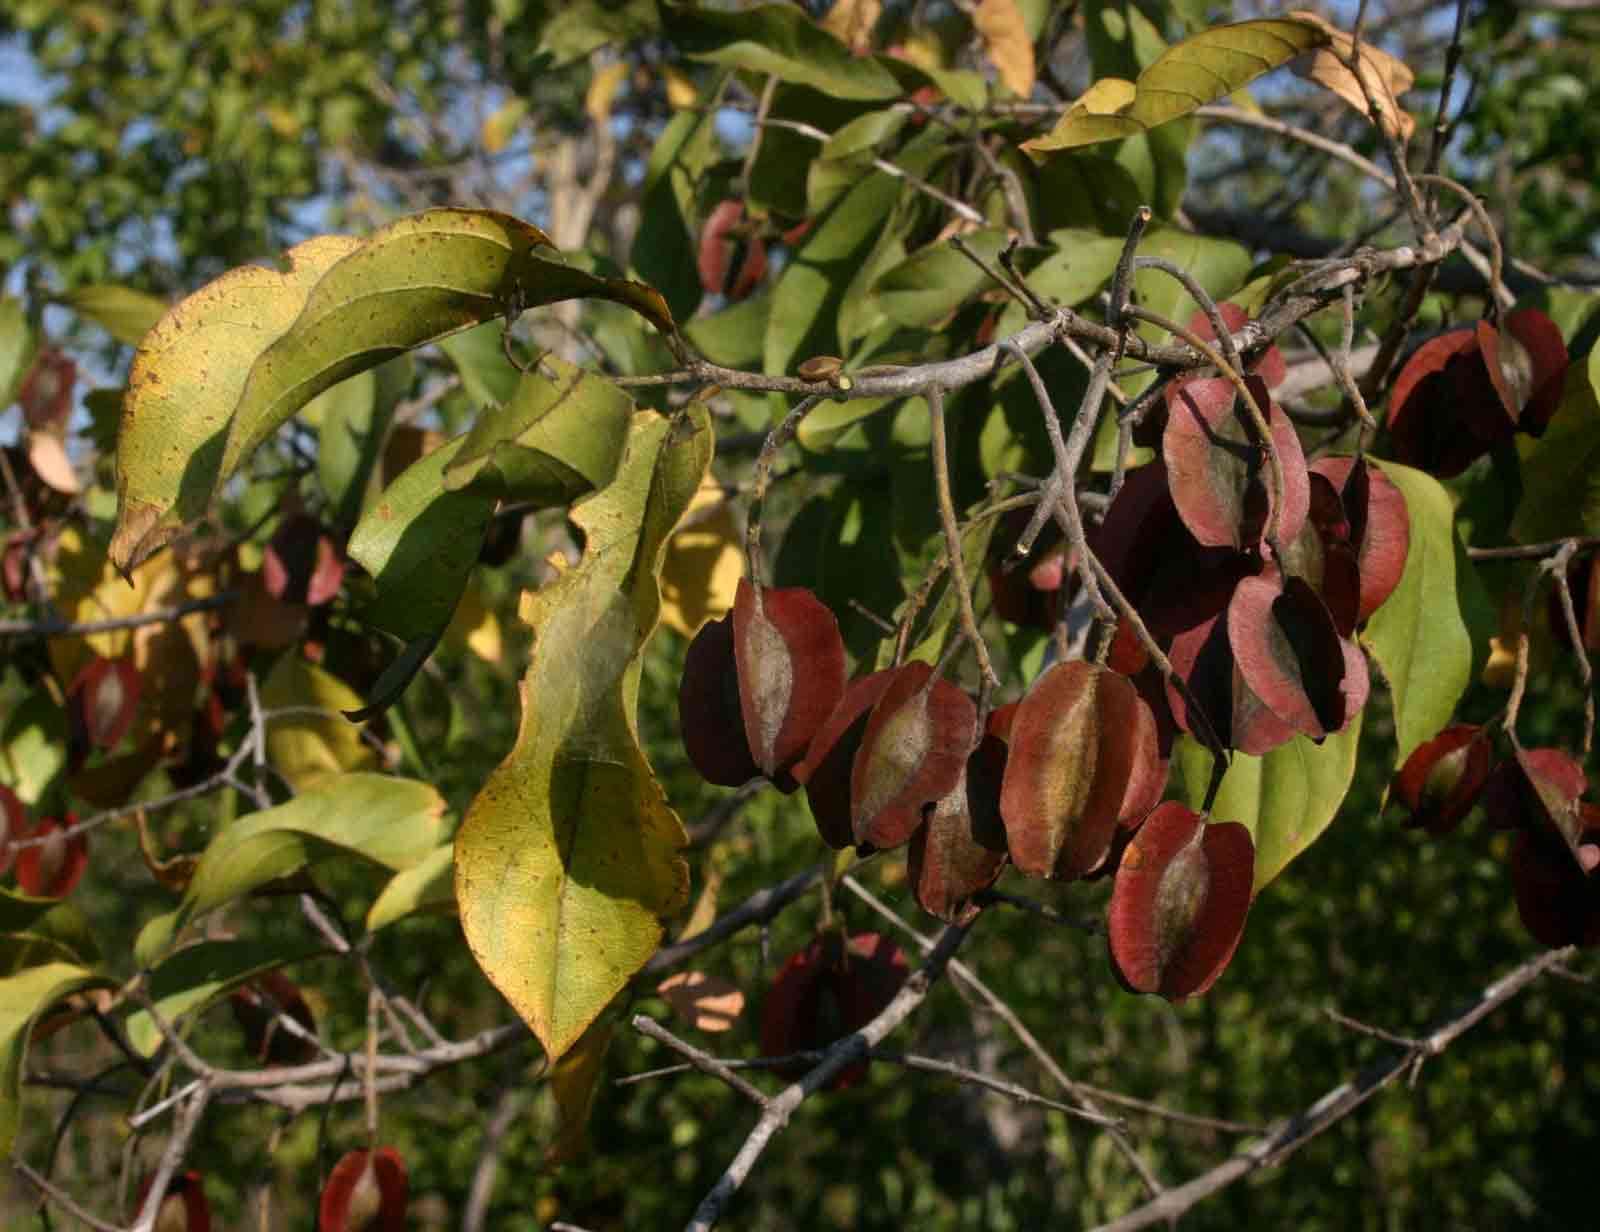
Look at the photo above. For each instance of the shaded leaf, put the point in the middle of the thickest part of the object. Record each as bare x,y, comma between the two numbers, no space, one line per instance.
23,997
313,742
781,40
1561,476
127,315
706,1002
575,1081
567,859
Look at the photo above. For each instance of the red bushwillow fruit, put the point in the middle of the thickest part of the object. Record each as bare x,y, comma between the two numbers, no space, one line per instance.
728,263
183,1208
302,564
826,768
1082,758
1027,591
1292,657
102,702
12,823
834,986
46,393
916,742
1559,898
256,1007
1466,391
1375,526
1179,902
791,668
1203,659
709,717
947,863
366,1190
1443,777
1539,790
1218,468
52,869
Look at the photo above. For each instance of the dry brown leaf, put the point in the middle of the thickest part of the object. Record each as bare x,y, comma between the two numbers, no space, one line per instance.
852,22
1006,42
706,1002
48,457
1387,77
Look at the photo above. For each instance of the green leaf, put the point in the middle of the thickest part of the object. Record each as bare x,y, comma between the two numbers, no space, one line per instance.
479,355
33,746
23,997
1561,474
19,911
779,39
568,857
355,416
733,337
1081,264
59,932
934,281
127,315
428,885
387,821
195,977
1286,798
1418,636
420,541
664,249
1203,68
227,366
559,437
18,345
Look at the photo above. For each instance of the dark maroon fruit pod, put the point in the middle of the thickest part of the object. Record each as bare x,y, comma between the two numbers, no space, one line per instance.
183,1207
1533,358
825,771
834,986
302,563
1218,468
1443,778
728,262
791,670
1539,791
1557,898
1082,758
46,392
1027,590
709,715
1179,902
916,743
946,863
1140,530
1377,526
53,868
1290,654
256,1007
102,702
366,1190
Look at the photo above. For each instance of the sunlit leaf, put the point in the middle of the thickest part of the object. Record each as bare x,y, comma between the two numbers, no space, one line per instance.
23,997
312,740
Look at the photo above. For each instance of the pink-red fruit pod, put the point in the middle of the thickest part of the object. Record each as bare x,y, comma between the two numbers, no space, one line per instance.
102,702
52,868
12,822
183,1208
366,1192
729,262
834,986
1442,778
791,668
826,770
1179,902
259,1007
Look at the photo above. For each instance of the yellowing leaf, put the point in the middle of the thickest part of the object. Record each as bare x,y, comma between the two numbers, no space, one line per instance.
1203,68
475,626
500,125
680,90
227,366
602,91
706,1002
568,857
23,997
313,741
127,315
574,1079
703,564
1386,76
852,22
704,913
1005,41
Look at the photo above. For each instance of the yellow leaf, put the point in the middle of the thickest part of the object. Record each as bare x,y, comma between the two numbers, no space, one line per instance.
500,126
475,626
1006,43
1203,68
1386,76
703,564
705,907
706,1002
681,92
567,859
314,740
574,1079
602,92
852,22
